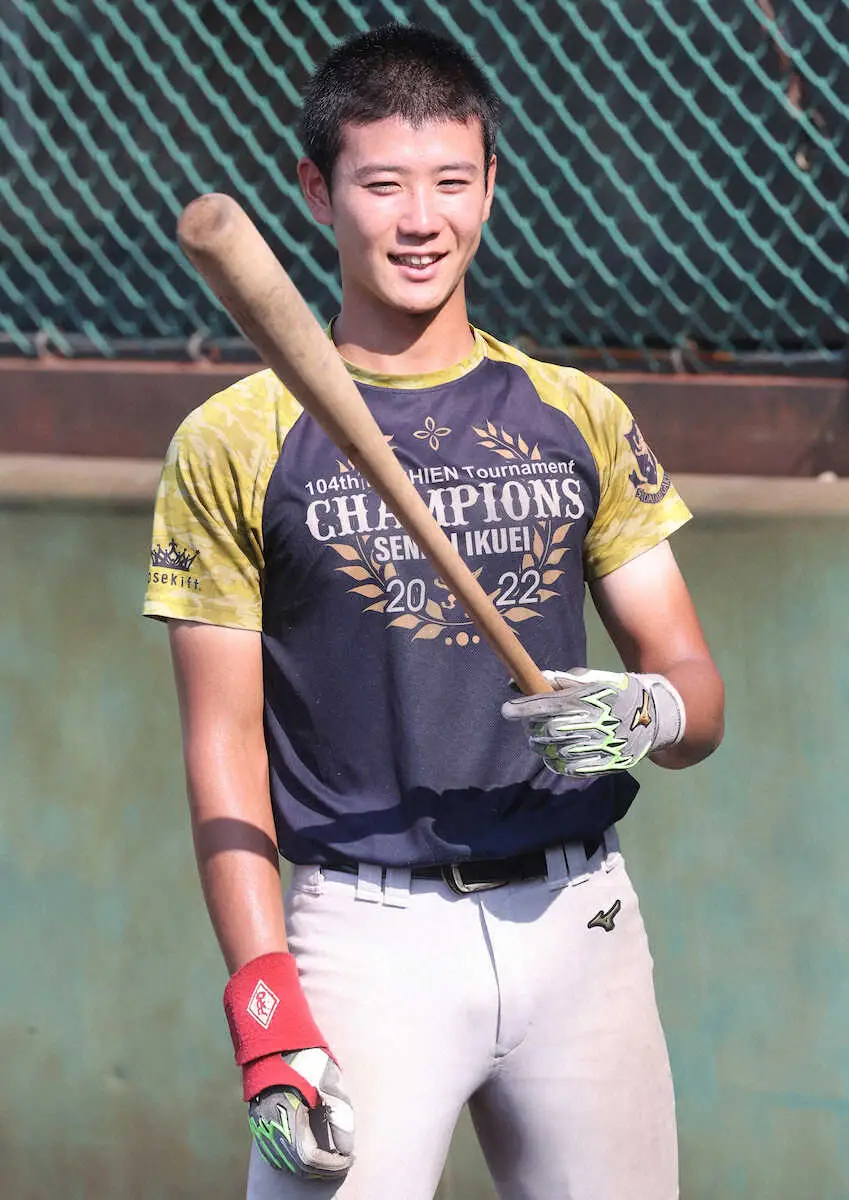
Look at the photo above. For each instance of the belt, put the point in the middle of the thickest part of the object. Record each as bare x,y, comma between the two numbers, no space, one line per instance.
479,875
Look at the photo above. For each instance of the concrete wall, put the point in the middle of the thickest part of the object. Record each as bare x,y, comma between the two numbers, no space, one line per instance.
115,1057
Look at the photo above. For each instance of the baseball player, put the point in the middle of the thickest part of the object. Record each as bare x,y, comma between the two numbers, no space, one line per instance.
460,927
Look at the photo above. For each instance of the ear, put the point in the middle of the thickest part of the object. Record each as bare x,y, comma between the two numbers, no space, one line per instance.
490,187
316,192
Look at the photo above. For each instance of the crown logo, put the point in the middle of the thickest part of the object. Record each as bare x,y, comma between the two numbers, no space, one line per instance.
173,557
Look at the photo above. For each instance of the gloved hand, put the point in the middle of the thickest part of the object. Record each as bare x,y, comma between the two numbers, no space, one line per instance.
299,1115
598,722
311,1140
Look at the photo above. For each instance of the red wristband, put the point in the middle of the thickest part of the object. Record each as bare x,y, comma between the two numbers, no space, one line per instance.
269,1016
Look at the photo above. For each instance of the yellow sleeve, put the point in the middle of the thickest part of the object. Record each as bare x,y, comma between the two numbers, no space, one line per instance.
638,505
206,556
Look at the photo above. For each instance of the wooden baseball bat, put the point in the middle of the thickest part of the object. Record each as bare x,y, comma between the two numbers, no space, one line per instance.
222,242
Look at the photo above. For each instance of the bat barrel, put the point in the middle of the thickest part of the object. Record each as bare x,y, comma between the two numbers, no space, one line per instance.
237,263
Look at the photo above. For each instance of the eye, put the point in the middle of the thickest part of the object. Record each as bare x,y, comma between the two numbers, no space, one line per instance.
453,185
382,187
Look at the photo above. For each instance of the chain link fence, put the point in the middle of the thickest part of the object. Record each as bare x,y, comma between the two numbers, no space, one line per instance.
673,181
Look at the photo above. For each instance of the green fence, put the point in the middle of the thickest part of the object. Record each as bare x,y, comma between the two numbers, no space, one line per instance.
674,182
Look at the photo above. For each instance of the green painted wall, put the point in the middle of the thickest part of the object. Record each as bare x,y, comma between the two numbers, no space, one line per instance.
115,1057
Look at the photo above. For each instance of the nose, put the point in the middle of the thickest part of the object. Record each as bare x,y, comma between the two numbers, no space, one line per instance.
418,218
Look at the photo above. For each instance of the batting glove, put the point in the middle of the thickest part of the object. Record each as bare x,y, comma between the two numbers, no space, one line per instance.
299,1115
313,1141
598,722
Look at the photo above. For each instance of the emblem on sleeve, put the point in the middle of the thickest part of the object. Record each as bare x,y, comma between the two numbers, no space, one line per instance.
650,481
172,565
172,556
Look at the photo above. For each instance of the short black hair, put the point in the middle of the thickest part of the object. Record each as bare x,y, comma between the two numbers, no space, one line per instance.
395,70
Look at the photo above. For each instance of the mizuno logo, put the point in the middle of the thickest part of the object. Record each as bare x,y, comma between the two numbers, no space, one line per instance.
642,716
604,920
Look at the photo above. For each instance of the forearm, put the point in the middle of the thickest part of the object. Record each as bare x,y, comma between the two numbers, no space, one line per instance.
235,847
699,684
218,672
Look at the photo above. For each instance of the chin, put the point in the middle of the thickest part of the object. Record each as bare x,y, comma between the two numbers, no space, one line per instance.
426,306
419,310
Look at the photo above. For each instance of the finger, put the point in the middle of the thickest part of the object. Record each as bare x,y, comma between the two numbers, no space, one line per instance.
280,1122
340,1117
337,1108
564,750
316,1158
574,768
552,704
272,1141
579,727
579,723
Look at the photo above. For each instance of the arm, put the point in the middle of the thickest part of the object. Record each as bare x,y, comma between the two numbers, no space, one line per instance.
284,1058
647,611
219,686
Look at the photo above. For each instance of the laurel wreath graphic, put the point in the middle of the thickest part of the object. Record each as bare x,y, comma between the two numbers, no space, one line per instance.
371,578
547,549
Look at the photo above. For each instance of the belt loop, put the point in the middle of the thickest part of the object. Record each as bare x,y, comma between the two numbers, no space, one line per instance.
396,889
610,839
557,870
309,879
576,858
369,883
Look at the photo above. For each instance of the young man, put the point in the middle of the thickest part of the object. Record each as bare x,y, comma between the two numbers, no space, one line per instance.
460,926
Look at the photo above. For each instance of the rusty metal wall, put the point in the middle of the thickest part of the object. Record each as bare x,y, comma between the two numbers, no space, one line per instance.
116,1063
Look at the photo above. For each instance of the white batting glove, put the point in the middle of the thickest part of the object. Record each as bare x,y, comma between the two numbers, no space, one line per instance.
598,722
312,1143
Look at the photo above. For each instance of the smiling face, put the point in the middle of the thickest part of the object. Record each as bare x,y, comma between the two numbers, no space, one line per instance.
407,207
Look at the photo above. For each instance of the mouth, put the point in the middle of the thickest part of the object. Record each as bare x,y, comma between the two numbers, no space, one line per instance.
419,263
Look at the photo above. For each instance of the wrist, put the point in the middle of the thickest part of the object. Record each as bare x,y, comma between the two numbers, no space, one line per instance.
670,712
268,1016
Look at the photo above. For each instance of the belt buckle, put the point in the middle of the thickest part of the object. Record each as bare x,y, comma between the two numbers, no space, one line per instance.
452,876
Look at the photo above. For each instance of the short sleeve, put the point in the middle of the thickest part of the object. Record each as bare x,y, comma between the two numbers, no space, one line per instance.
638,504
206,550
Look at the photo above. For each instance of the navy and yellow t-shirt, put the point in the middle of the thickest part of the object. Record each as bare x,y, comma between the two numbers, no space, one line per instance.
382,721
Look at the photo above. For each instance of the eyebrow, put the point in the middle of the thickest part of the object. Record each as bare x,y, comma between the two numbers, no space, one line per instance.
373,169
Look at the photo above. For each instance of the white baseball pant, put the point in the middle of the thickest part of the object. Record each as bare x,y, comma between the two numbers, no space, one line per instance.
510,999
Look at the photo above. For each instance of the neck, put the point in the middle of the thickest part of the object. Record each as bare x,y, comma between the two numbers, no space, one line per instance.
387,342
